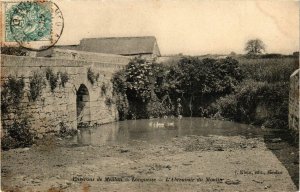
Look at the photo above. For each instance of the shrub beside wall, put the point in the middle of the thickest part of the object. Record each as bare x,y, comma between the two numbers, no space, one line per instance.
14,113
12,92
52,78
18,135
36,85
92,76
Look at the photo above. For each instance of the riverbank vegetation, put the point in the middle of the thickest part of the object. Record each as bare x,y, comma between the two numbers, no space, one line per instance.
242,89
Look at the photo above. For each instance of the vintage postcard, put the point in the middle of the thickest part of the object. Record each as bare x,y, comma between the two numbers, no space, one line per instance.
149,95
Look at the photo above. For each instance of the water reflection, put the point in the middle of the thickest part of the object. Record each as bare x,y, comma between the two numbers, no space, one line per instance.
149,131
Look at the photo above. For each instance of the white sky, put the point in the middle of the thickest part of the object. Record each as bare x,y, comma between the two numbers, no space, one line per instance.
186,26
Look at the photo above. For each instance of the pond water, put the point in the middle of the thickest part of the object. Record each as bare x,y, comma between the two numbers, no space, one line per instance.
159,130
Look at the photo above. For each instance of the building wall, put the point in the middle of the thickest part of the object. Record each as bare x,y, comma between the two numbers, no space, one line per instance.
52,108
294,102
156,51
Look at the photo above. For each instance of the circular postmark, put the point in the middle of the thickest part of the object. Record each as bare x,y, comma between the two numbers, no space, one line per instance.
35,25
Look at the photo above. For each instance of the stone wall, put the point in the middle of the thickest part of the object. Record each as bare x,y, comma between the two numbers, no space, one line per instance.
54,108
294,102
83,55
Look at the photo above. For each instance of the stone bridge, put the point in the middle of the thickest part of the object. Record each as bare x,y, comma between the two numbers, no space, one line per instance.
85,99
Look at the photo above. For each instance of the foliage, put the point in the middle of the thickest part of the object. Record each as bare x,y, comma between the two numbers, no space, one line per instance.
18,51
119,93
52,78
109,102
140,82
193,79
241,105
92,76
271,55
36,84
269,70
19,135
12,92
156,108
255,46
64,78
122,105
219,88
140,79
153,89
147,89
64,131
209,76
103,89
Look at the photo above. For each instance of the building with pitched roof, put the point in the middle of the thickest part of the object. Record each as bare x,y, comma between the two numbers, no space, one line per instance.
145,46
126,46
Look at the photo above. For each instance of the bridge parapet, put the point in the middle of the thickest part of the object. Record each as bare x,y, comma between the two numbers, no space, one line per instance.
90,56
24,61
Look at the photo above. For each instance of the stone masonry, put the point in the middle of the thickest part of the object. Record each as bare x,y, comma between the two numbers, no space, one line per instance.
79,101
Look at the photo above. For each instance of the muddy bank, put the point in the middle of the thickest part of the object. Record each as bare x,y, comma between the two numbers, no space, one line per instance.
189,163
286,149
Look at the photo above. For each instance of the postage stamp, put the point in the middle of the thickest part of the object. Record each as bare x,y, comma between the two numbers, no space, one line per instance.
35,25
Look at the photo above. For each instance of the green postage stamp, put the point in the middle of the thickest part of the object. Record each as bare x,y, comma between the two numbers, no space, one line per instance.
33,25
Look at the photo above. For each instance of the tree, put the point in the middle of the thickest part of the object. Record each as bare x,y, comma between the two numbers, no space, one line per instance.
255,46
194,79
142,84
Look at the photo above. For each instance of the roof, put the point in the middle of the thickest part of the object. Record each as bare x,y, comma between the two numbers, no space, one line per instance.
120,45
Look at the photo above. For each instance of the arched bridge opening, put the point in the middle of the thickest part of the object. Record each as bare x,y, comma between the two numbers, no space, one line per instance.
83,106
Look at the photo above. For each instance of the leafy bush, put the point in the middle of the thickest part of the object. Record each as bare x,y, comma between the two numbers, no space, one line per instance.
52,78
103,89
109,102
122,106
119,93
139,77
36,84
155,108
92,76
64,78
241,105
197,81
64,131
19,135
12,92
140,82
153,89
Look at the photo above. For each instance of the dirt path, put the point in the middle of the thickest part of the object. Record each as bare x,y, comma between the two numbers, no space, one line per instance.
191,163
